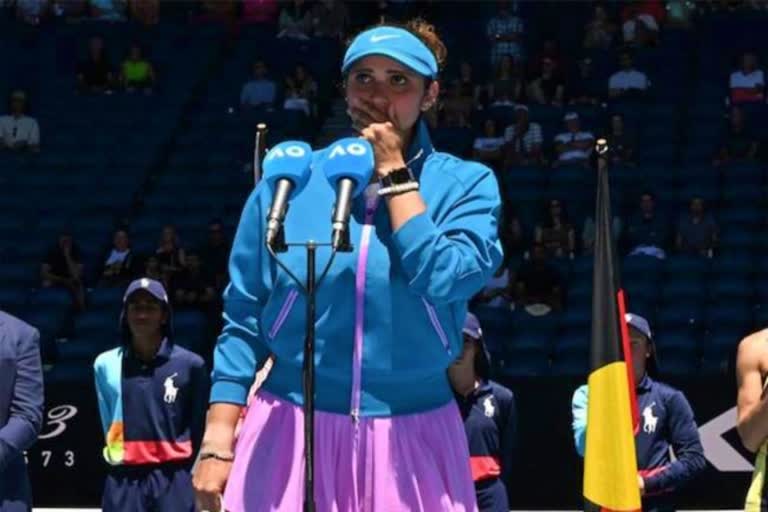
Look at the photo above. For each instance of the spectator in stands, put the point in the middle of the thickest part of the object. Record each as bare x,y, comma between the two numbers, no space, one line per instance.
136,72
169,253
488,146
555,232
467,85
260,90
329,18
215,253
146,12
641,22
107,10
538,282
118,267
523,140
747,85
550,49
301,91
628,83
739,145
295,21
505,32
193,287
260,11
63,268
21,409
510,232
647,231
18,131
599,31
154,270
455,105
620,141
697,232
588,233
573,146
31,11
94,74
506,87
585,87
548,88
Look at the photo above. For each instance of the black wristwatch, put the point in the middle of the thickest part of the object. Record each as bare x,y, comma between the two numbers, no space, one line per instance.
397,177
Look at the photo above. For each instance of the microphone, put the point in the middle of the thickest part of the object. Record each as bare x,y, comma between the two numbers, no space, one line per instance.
286,171
348,168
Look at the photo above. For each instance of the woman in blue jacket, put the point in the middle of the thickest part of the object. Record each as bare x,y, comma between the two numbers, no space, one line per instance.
390,314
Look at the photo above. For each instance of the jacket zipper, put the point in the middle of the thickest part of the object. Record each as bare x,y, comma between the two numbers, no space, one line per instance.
285,309
432,314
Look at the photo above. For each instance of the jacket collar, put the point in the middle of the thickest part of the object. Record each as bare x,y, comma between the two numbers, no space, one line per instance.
421,147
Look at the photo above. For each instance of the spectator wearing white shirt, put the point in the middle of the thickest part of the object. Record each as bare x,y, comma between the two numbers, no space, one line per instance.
747,85
628,82
18,131
487,148
574,145
522,140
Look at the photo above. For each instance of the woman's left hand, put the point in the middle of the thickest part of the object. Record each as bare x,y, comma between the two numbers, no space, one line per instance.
384,133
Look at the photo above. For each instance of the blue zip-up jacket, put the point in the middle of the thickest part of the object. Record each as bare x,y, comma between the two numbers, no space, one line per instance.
490,421
21,408
396,304
666,421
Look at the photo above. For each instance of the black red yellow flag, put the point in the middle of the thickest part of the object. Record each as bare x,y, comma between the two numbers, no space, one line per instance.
610,463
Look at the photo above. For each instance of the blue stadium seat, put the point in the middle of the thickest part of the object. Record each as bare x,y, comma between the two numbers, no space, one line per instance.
571,363
190,330
528,362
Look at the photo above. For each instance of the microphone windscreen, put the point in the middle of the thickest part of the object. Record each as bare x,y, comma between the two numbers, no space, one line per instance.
290,159
352,158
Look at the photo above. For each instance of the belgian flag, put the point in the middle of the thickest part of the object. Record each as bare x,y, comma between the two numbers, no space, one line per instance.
610,463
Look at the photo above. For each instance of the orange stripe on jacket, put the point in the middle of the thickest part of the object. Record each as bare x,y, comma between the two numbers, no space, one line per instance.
484,466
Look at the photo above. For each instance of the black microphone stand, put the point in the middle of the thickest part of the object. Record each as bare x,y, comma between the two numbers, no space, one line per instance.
308,370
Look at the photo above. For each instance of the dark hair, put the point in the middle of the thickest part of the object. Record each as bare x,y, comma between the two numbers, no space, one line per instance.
648,193
547,221
216,220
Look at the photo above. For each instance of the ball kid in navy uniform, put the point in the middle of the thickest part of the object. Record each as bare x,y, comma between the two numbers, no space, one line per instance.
152,400
666,422
490,420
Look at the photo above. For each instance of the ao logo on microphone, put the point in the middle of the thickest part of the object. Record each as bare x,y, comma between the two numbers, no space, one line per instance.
293,151
353,148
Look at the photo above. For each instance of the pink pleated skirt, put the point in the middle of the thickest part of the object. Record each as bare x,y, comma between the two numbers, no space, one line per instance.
415,462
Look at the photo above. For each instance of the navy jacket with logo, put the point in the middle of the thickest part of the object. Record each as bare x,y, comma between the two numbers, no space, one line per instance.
490,421
151,413
666,421
21,407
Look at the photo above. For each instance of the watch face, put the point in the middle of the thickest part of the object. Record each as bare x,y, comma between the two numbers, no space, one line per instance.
401,176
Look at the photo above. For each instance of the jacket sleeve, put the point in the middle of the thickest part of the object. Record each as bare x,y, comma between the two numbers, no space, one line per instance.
685,441
240,347
509,442
105,408
26,416
579,425
451,258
